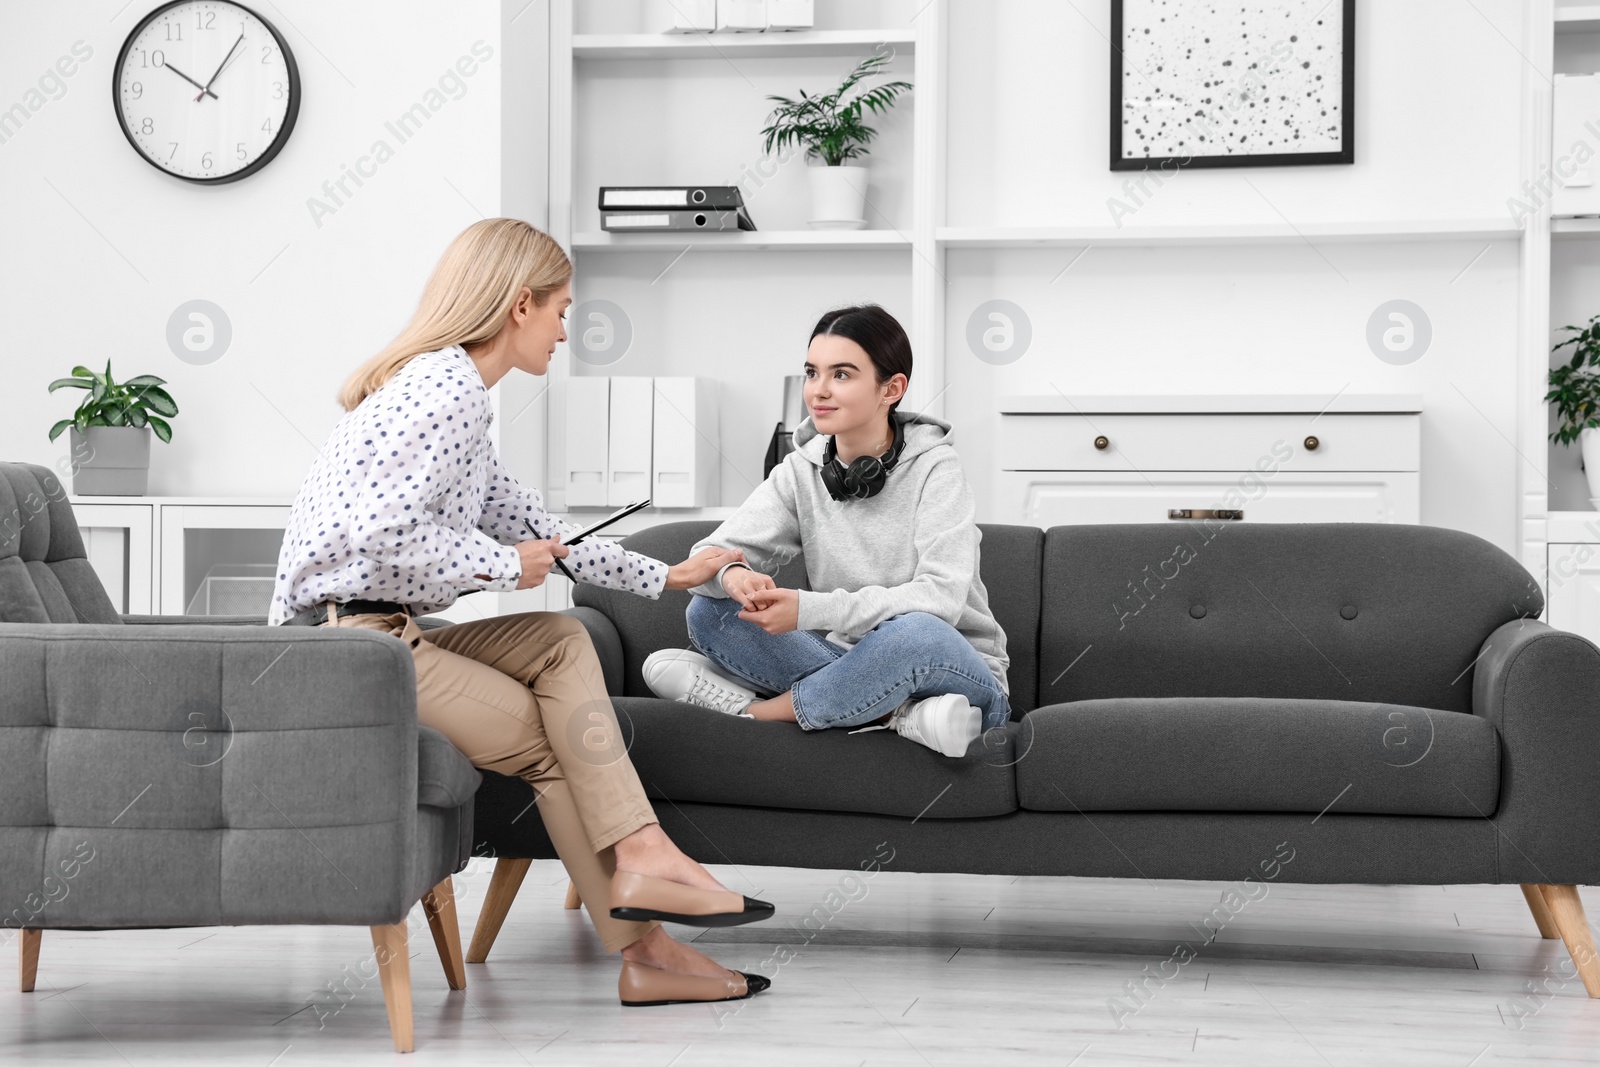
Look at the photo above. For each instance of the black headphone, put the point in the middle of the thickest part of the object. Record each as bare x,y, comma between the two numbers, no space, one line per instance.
865,475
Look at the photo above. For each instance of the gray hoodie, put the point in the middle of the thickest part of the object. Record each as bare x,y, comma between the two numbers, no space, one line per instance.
913,547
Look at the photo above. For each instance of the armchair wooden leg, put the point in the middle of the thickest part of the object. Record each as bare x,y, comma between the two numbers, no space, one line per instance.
440,905
1567,910
1541,912
574,902
503,886
394,971
29,944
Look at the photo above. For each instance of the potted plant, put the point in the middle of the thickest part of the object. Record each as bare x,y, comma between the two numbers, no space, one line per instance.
830,128
111,430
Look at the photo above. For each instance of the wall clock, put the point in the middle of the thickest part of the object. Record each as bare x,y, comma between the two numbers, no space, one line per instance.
206,90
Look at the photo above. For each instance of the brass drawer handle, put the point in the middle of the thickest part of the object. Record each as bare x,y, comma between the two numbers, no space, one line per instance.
1312,444
1102,442
1206,513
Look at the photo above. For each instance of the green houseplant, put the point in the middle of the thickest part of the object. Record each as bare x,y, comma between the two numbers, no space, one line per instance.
111,430
832,128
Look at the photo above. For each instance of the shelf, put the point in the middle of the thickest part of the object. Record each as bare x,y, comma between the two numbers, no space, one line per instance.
1209,403
1582,19
731,45
1243,234
741,240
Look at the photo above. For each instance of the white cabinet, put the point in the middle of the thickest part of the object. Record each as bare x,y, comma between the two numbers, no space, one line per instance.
155,554
1572,573
119,538
1090,459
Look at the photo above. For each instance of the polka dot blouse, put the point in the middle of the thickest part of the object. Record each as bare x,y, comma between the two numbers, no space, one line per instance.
408,502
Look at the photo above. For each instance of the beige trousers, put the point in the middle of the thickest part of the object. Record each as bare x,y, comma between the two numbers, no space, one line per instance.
523,695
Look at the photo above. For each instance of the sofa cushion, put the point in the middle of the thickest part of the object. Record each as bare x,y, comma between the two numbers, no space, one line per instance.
1257,754
1387,613
692,754
1009,564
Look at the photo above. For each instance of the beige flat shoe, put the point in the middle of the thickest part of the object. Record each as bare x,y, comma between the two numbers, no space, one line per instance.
640,898
642,986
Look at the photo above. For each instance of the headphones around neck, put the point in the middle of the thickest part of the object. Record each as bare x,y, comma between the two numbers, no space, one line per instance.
865,475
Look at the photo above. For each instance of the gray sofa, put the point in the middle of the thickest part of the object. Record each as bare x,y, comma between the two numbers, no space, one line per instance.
170,771
1193,700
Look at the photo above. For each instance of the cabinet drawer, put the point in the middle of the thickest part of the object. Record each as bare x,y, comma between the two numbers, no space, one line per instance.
1046,499
1344,442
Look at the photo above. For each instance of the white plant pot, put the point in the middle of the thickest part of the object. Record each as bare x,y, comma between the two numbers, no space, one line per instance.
838,197
1589,444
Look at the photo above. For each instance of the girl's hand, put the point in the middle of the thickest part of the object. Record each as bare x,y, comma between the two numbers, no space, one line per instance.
776,611
701,567
740,582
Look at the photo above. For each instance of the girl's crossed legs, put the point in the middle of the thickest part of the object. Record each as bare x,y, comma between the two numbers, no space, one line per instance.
907,657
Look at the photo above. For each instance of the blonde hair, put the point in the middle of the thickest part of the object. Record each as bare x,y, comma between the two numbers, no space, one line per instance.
469,296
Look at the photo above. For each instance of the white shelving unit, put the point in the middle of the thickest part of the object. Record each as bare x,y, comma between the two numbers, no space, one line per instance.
737,45
1255,234
744,241
903,247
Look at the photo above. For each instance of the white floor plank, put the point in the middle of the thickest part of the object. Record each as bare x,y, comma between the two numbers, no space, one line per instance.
915,969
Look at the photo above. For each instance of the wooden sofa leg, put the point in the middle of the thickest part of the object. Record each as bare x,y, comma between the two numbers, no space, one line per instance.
1567,910
440,906
574,902
503,886
394,971
1541,912
29,944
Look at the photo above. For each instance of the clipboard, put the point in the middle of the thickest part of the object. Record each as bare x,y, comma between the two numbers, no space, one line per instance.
607,521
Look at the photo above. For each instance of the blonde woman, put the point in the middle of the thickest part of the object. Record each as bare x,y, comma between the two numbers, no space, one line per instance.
407,507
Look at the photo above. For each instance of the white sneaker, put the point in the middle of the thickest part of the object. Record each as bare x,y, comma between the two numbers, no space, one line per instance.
684,675
945,723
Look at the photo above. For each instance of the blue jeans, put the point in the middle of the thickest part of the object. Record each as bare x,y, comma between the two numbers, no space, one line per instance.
910,656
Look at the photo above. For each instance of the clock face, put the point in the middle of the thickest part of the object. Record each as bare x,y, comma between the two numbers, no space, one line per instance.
206,90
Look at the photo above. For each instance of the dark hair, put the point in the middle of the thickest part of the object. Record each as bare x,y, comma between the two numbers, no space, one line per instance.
878,333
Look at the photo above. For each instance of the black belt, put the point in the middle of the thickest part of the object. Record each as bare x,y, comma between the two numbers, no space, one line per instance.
318,614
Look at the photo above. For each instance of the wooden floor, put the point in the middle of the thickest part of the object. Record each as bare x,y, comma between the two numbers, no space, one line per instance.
899,969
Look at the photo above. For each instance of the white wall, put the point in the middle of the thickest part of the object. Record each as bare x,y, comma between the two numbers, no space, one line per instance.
1437,137
94,265
100,247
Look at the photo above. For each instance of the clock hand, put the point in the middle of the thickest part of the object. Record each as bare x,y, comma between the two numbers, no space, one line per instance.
190,80
219,68
226,64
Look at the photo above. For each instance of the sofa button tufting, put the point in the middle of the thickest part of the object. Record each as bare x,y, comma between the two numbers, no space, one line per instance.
1348,611
1197,611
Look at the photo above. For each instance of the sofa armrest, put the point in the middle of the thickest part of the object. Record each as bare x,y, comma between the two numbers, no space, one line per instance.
607,644
226,775
194,620
1540,687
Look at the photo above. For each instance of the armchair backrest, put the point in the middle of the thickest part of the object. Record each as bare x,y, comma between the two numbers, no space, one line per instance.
45,574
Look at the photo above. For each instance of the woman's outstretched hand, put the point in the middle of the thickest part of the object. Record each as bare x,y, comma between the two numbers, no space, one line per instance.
701,567
776,611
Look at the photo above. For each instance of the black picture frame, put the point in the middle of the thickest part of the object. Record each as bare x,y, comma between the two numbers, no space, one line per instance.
291,113
1345,154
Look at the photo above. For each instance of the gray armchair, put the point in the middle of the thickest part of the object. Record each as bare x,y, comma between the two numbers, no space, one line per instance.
160,771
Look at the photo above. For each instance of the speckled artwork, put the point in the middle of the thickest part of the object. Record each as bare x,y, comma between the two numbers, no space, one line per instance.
1208,78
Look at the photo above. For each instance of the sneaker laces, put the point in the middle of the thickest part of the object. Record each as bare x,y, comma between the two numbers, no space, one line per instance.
707,693
896,717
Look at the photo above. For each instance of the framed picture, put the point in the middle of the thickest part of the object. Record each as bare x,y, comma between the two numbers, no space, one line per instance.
1204,83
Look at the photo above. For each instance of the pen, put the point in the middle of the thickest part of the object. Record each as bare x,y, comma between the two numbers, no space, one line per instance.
558,562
